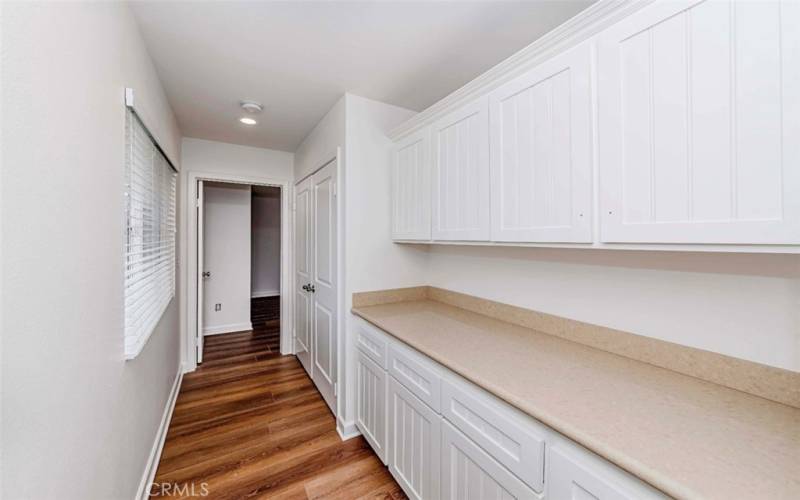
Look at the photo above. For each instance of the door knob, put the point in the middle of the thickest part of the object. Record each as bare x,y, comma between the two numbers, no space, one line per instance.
312,289
206,274
306,288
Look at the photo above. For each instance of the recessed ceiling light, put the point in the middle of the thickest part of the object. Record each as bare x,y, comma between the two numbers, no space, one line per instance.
247,121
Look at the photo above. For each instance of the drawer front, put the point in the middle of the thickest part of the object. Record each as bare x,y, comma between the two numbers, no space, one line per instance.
417,373
490,423
414,444
469,473
372,342
371,407
570,478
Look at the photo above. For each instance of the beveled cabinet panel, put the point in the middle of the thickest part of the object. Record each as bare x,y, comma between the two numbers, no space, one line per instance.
460,158
411,188
698,106
541,152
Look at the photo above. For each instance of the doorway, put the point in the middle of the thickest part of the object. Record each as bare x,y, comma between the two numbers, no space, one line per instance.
238,275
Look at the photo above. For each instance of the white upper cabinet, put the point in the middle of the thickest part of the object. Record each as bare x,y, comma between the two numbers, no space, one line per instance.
460,157
411,191
699,106
541,152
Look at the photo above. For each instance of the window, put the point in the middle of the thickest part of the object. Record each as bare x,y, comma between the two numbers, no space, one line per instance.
150,234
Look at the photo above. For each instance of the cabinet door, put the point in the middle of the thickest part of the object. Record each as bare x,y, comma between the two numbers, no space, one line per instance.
411,188
468,473
698,107
541,152
371,404
460,145
413,444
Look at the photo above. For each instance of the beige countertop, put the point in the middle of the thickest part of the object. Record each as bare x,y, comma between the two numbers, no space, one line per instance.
686,437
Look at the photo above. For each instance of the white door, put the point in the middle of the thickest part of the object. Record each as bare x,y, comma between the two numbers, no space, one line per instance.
324,282
698,106
411,187
541,147
469,473
303,299
371,399
414,443
200,272
460,158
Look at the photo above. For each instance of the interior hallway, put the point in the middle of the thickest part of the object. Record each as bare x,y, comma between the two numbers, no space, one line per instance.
249,423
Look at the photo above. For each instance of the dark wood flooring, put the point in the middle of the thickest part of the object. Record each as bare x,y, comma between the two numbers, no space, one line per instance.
249,423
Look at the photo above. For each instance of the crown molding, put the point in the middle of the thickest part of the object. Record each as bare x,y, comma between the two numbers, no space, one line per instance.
577,29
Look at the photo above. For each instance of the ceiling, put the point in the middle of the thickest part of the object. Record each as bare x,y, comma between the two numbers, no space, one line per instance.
298,58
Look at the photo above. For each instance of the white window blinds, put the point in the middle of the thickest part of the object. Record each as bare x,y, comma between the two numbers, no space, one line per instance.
150,235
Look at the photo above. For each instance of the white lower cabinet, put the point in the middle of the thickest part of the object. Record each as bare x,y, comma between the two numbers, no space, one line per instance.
371,392
478,447
414,442
469,473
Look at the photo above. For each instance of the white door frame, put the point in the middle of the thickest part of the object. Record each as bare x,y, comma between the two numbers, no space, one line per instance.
287,306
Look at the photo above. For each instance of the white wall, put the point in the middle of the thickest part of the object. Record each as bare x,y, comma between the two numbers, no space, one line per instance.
372,260
218,158
265,278
226,255
742,305
78,420
320,145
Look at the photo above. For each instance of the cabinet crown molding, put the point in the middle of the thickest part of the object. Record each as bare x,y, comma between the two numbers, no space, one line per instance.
572,32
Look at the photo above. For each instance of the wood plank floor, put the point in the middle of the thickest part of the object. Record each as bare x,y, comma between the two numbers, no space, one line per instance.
249,423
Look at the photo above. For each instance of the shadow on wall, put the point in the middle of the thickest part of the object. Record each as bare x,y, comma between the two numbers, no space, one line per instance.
751,264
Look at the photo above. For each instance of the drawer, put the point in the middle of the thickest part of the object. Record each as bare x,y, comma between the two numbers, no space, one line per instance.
469,473
372,342
417,373
576,473
507,437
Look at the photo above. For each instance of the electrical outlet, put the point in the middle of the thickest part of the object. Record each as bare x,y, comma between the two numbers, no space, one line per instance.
217,307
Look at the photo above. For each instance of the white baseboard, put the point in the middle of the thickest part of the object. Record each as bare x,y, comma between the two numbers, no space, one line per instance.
265,293
158,445
347,430
234,327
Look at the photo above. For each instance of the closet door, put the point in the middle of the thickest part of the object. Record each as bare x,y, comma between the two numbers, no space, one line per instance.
411,188
413,443
303,299
698,107
541,145
324,282
460,155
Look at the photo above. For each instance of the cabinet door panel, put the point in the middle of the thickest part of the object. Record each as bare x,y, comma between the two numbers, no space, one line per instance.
468,473
460,157
414,443
541,152
698,106
411,188
372,399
